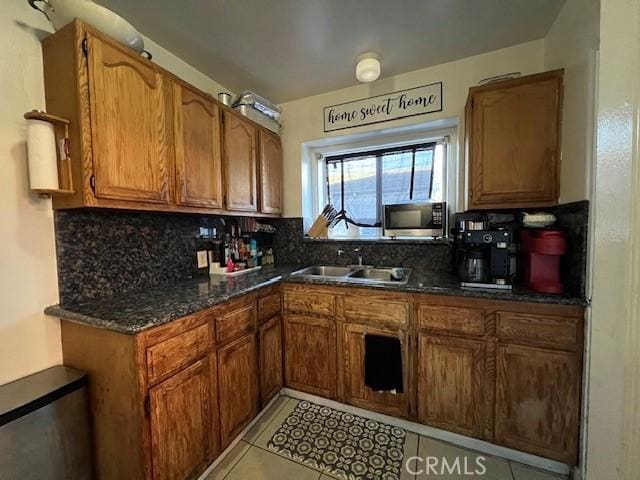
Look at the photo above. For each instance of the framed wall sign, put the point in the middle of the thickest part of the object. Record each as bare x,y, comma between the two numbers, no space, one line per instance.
383,108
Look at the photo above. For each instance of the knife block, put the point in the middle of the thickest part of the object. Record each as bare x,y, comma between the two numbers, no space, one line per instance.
320,228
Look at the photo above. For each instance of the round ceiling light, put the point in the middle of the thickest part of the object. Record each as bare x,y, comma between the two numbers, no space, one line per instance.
368,67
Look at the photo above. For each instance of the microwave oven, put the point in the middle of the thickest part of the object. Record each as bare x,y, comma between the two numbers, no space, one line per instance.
426,219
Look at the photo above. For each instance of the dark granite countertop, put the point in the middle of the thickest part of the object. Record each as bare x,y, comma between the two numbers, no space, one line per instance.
440,283
136,311
140,310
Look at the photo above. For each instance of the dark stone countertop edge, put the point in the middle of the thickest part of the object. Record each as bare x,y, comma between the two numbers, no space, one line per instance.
166,317
117,326
455,291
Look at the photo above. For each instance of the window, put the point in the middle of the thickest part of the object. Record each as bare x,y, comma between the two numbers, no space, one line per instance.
360,183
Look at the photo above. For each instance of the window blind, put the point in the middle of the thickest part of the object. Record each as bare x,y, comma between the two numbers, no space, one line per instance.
360,183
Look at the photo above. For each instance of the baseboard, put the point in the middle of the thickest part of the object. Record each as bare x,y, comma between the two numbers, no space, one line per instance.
438,434
237,440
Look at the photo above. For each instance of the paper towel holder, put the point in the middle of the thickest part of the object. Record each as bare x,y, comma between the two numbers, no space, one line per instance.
65,177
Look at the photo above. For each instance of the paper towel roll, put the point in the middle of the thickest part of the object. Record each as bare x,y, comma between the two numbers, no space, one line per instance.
42,152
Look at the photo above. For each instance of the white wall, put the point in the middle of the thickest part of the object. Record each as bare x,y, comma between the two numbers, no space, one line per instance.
613,441
303,119
571,44
30,341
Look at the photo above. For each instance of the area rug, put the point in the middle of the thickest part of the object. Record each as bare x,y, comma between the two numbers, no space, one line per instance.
342,444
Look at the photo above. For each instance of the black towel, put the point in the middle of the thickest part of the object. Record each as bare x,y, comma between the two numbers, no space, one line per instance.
382,363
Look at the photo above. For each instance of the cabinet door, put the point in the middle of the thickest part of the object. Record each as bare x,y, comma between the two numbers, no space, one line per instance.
239,163
270,345
310,354
356,392
538,401
514,142
180,423
237,387
131,131
198,149
270,173
451,383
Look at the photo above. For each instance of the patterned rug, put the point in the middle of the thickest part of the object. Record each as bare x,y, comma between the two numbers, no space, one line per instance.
342,444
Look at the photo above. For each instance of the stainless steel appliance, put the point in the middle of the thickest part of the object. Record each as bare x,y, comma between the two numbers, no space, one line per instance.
44,427
425,219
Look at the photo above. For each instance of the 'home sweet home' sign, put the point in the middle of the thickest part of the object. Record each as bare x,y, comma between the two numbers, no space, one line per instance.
382,108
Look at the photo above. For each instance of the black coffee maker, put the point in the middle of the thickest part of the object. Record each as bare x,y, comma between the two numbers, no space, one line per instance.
485,253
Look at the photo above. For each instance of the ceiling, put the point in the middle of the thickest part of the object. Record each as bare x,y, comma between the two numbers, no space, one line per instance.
288,49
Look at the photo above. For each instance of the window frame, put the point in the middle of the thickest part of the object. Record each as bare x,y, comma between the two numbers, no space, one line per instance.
379,155
317,170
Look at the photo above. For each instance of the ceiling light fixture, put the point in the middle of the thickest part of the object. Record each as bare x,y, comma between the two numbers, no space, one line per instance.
368,67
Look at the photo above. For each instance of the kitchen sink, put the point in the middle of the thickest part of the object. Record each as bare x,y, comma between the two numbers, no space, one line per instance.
325,271
385,275
358,274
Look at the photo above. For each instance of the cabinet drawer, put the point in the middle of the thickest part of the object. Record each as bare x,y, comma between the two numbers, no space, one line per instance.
538,330
235,322
168,356
466,321
377,308
268,306
309,300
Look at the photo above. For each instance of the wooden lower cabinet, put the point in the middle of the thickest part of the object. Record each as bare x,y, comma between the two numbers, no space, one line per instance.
355,391
310,354
237,386
174,396
537,401
270,367
181,434
451,383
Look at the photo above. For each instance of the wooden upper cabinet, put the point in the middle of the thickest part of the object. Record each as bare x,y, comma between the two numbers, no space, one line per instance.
198,148
270,172
538,401
451,383
240,163
140,138
513,142
131,131
181,435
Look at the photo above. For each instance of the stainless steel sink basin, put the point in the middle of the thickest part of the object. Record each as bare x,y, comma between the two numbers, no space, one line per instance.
325,271
358,274
384,275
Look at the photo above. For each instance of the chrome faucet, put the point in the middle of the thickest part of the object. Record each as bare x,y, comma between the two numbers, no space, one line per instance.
357,250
